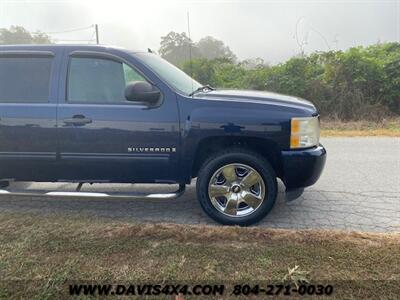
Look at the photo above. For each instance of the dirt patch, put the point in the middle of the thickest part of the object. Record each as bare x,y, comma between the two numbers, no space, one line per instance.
385,127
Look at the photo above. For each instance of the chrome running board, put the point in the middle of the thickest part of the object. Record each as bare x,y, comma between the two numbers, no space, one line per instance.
78,193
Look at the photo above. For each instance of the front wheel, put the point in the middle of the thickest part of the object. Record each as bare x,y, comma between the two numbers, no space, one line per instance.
237,187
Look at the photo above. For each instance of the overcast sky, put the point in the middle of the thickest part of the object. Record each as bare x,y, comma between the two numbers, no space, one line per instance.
265,29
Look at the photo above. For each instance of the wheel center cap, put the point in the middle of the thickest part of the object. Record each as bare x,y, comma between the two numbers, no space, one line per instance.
236,189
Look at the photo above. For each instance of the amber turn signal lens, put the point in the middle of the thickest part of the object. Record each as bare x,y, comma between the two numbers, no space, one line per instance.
295,124
294,141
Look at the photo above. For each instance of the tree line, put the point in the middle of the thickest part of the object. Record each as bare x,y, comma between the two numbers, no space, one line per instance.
19,35
359,83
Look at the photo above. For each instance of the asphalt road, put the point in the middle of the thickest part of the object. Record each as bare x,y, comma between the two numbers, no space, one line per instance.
359,190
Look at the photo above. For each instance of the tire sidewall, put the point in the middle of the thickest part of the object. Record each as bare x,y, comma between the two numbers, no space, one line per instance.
253,160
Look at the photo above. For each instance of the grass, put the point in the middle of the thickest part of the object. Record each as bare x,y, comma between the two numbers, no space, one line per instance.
386,127
40,254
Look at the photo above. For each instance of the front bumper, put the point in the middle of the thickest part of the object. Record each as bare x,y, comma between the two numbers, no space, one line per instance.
302,168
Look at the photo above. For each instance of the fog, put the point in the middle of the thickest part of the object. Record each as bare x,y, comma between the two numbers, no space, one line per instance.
272,30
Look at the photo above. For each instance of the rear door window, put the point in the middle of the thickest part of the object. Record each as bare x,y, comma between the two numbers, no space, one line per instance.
25,79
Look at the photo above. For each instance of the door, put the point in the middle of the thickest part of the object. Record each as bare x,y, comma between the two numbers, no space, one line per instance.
28,141
104,137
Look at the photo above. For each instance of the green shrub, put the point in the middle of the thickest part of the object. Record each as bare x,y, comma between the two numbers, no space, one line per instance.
360,83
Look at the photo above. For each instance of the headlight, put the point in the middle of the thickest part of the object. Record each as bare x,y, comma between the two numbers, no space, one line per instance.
304,132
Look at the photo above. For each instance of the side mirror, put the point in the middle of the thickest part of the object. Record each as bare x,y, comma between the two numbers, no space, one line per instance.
142,91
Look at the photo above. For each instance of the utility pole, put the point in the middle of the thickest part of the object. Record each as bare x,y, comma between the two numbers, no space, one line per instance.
190,50
190,41
96,27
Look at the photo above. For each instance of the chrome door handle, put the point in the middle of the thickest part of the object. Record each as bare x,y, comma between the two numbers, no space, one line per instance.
77,120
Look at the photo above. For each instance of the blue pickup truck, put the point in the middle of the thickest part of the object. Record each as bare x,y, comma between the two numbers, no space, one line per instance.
98,114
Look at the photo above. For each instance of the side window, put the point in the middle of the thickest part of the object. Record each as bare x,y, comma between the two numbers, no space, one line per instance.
131,75
98,80
25,79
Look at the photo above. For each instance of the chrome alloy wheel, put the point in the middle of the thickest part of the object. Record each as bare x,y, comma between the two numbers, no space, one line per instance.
236,190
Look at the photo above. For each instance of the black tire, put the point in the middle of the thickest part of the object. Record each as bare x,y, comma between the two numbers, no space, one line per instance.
240,156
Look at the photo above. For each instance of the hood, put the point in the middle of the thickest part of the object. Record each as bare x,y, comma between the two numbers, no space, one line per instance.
258,97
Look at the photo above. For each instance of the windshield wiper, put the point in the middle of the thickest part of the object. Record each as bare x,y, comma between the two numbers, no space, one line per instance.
202,89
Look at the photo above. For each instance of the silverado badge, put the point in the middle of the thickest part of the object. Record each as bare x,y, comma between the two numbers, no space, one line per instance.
152,149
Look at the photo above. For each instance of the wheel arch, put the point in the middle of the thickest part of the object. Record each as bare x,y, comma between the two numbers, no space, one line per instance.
265,147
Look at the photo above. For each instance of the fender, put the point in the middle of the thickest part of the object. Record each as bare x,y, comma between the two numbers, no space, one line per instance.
204,119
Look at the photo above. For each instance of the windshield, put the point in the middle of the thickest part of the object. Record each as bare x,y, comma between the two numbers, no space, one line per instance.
169,73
